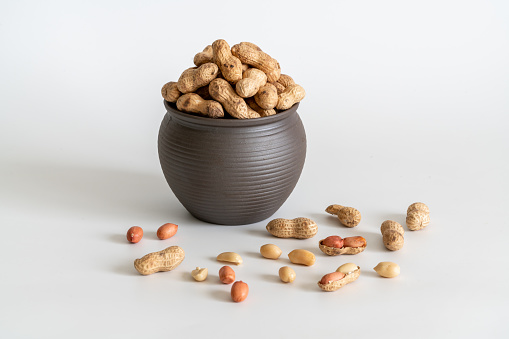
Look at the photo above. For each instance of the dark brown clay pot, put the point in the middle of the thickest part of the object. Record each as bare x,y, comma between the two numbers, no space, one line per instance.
230,171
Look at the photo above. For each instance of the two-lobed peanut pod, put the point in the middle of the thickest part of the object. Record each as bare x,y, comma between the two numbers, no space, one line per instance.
393,235
290,96
230,66
348,216
236,106
170,91
300,228
417,216
252,80
162,261
252,56
193,103
205,56
193,78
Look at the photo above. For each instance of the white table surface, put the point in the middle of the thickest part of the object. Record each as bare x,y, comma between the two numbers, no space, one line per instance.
406,101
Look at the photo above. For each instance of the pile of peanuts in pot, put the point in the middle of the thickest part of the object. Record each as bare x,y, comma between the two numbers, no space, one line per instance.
298,228
242,80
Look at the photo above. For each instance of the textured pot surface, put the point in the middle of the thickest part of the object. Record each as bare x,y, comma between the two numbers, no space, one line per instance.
229,171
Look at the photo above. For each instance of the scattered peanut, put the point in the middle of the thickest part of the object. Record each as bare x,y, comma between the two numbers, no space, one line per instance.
193,78
162,261
392,233
270,251
348,216
287,274
167,231
204,57
193,103
134,234
300,228
335,280
230,66
200,274
290,96
223,92
387,269
230,257
170,91
226,275
347,268
252,80
417,216
335,245
302,257
267,97
239,291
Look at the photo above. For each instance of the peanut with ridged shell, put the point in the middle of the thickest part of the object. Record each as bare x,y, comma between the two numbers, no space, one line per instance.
417,220
193,78
252,80
267,97
335,280
392,235
170,91
300,228
230,66
258,59
290,96
205,56
235,105
162,261
193,103
348,216
251,102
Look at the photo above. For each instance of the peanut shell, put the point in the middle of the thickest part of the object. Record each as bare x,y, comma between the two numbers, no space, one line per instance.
417,220
418,206
300,228
162,261
393,240
391,225
349,216
338,251
336,285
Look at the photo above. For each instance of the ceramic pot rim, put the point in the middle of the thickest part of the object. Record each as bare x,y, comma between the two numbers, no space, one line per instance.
196,119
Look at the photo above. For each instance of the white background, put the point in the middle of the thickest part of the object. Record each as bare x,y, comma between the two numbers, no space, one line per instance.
406,101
